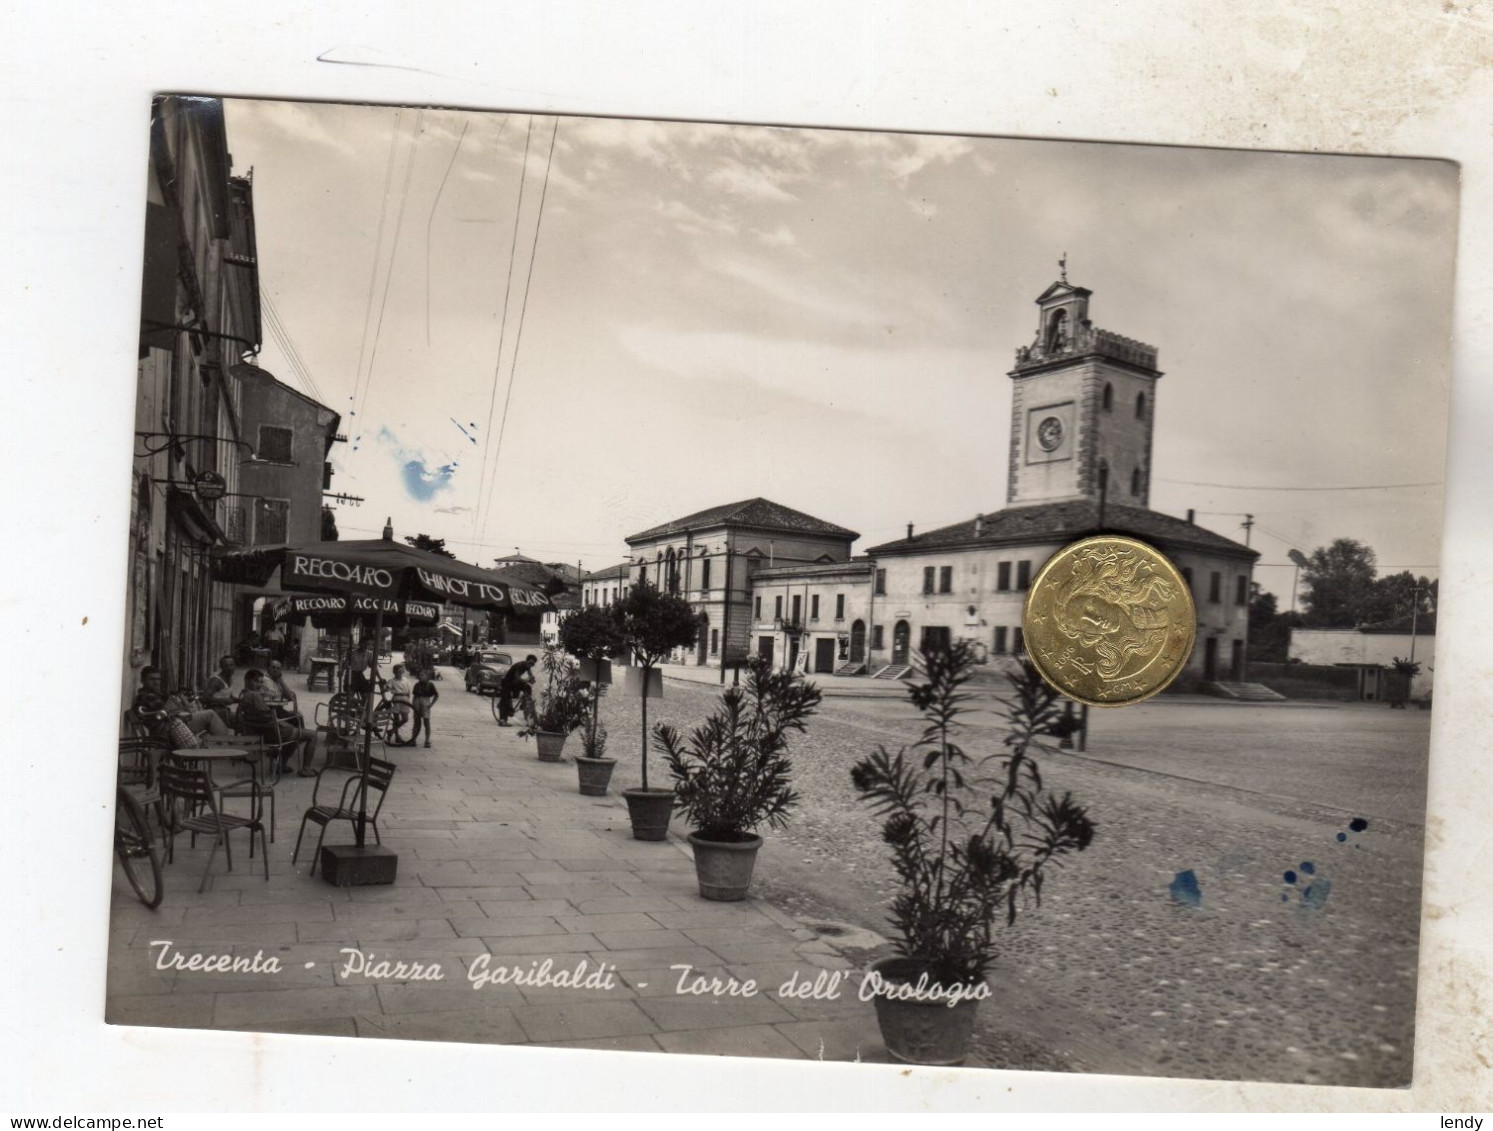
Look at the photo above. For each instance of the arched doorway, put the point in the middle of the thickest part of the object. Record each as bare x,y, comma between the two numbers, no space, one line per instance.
858,642
901,639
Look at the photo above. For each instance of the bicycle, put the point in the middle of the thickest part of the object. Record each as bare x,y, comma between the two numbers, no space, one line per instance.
135,848
524,706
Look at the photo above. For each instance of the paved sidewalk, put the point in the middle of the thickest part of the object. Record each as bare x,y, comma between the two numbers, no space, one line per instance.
501,862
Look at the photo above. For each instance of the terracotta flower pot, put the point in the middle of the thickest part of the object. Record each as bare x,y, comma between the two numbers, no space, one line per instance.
650,810
724,867
595,774
920,1031
550,744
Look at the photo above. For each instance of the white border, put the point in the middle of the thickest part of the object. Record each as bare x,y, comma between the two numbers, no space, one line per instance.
1373,76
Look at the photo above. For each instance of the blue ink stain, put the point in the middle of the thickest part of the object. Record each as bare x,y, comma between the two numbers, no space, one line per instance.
1185,889
1342,837
423,484
1316,893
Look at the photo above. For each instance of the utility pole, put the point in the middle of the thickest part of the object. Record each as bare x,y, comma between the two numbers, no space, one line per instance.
1414,619
1248,524
1298,559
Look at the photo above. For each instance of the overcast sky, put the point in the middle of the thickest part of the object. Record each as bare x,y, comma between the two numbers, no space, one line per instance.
826,319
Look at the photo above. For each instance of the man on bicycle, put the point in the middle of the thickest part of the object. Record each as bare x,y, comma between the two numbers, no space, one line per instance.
513,685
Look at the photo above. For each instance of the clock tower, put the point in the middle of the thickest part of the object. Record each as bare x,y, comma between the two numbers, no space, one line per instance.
1083,402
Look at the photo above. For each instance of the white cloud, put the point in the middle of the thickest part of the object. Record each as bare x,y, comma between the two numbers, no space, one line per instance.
747,182
780,237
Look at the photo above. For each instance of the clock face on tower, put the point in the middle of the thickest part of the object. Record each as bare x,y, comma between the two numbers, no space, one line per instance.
1051,431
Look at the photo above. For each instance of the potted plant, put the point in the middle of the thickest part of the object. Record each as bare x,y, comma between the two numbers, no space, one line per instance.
652,624
732,774
593,636
559,709
971,842
1398,682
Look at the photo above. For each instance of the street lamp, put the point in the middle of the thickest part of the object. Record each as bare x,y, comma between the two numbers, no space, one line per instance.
1299,560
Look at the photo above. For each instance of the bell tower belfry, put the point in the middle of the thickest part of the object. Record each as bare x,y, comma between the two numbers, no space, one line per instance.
1083,402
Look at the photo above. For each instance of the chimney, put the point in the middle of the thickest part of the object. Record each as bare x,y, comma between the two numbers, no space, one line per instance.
979,525
1190,513
389,529
909,532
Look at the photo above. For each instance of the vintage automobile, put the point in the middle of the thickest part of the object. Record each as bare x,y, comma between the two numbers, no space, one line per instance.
487,671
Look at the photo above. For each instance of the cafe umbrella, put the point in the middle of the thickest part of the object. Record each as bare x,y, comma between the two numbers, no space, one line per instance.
375,576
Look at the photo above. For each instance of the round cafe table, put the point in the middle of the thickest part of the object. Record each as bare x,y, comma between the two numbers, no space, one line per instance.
211,756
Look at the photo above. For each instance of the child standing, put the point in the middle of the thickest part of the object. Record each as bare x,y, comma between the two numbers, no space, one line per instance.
401,688
425,697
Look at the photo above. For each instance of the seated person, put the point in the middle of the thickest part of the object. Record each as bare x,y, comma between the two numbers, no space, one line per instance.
277,688
156,709
256,717
217,692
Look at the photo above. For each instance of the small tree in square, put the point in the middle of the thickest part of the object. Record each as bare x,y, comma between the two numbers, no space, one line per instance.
594,635
653,624
969,839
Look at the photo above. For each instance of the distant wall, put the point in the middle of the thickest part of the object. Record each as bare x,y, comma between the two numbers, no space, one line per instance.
1307,681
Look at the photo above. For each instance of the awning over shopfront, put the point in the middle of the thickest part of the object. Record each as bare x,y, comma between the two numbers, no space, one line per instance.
382,569
337,610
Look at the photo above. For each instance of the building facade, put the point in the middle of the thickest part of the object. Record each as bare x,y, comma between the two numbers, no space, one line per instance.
815,617
1083,411
711,557
605,587
782,585
199,317
281,488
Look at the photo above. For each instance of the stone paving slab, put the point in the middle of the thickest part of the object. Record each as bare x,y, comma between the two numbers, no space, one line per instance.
501,862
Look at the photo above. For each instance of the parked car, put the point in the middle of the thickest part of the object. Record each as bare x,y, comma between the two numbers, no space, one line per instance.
487,671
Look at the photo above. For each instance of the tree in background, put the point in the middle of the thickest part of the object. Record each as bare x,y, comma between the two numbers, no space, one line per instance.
430,545
1340,589
1397,596
1269,629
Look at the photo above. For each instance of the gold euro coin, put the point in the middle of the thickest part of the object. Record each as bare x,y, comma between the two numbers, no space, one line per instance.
1109,621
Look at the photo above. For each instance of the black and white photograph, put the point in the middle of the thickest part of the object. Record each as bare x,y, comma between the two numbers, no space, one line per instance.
577,567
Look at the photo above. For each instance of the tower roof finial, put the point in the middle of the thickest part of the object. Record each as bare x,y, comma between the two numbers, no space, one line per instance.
1063,267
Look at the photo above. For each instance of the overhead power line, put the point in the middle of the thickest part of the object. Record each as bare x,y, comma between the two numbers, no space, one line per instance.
1262,487
378,251
404,199
518,340
434,204
497,369
291,350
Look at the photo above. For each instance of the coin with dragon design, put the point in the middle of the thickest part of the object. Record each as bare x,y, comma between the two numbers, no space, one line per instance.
1109,621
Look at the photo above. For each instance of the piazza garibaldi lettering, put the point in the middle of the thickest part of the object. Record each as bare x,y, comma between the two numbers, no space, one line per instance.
314,571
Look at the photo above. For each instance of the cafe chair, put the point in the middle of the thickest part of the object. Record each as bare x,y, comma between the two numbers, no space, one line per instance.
139,767
191,796
264,774
380,774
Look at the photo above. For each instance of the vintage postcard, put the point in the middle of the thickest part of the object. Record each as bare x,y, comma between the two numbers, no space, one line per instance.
578,592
